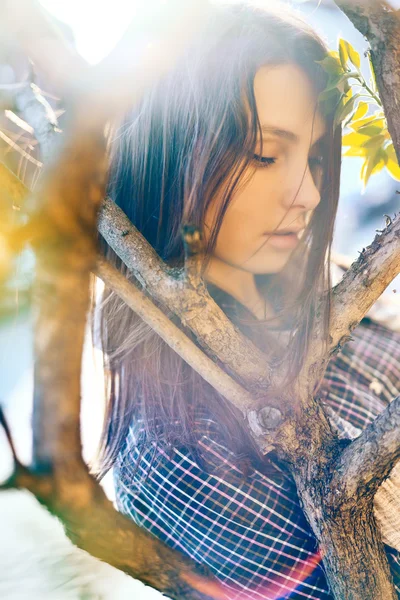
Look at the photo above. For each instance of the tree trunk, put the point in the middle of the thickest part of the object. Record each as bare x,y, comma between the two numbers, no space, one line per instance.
336,497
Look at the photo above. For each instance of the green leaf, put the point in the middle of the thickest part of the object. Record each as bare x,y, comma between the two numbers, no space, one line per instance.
327,95
373,164
329,101
370,130
340,81
375,141
347,109
331,64
338,110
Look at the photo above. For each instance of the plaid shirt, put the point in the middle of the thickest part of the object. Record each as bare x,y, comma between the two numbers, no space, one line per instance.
253,534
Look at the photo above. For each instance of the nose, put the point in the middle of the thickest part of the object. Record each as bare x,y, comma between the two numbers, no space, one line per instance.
305,191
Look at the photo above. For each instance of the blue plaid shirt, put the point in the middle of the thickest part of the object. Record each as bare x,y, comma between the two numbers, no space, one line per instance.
253,534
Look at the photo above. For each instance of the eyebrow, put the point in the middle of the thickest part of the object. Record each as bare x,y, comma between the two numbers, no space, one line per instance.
285,134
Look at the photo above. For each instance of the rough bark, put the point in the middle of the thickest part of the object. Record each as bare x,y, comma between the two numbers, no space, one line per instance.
174,337
187,299
338,507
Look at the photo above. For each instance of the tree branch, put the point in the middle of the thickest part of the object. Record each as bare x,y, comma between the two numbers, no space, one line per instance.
188,299
369,459
361,286
174,337
70,201
38,113
89,519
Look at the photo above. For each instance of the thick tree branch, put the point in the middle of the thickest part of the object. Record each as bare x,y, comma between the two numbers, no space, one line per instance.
305,439
369,276
67,203
64,261
92,524
174,337
219,337
368,460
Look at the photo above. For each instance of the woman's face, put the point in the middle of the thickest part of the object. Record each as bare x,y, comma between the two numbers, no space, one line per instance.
281,189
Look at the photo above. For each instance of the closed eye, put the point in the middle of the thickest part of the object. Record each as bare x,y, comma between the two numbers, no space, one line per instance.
264,161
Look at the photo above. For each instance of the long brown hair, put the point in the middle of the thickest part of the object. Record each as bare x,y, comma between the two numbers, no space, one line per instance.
188,139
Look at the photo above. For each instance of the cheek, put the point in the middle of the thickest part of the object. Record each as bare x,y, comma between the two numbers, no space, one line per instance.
251,211
256,204
240,231
265,189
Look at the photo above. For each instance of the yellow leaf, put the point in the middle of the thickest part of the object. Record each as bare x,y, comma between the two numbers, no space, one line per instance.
343,53
374,119
354,139
361,111
393,169
391,152
356,151
353,54
335,54
373,164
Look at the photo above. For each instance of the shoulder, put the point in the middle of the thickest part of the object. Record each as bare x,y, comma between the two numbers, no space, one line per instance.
372,357
240,529
208,451
364,377
209,471
163,484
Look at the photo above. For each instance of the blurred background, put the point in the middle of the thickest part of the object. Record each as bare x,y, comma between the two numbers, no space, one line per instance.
36,559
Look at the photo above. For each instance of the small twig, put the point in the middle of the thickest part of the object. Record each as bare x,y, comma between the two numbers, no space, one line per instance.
194,254
6,428
30,102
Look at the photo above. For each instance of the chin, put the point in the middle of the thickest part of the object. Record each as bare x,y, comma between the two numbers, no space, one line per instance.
275,266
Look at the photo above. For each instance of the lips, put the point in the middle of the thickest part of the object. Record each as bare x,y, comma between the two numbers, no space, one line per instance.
285,231
283,241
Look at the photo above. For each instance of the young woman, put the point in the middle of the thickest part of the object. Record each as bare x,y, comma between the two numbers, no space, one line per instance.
233,140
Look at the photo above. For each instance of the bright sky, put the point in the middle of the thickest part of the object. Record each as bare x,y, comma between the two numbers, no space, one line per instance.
96,24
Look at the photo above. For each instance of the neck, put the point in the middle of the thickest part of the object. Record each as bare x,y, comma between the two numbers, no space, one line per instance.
240,284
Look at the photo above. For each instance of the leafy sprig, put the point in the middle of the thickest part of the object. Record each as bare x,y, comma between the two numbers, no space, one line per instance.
368,137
